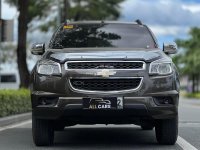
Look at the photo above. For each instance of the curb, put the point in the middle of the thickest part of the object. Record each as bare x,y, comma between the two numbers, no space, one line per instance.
5,121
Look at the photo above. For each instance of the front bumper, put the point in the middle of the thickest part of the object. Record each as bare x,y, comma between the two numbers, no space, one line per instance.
71,108
137,104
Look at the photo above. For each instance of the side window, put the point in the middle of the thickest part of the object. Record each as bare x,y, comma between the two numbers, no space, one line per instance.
8,78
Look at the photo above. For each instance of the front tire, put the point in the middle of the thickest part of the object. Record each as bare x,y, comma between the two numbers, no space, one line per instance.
43,132
167,131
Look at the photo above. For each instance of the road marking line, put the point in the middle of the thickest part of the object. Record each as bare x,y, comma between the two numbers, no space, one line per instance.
184,144
15,125
180,141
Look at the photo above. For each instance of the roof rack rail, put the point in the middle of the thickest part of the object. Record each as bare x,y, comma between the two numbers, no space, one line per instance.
138,21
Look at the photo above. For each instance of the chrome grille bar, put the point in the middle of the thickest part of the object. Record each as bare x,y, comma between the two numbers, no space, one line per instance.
116,65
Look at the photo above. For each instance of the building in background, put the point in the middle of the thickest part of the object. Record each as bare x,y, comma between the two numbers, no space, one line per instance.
7,30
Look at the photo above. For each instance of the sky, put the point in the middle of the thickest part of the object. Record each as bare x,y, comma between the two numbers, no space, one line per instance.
168,19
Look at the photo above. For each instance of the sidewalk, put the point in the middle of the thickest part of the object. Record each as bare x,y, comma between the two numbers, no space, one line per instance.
14,119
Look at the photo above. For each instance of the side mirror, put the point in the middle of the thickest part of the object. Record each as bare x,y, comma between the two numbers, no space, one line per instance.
170,48
38,49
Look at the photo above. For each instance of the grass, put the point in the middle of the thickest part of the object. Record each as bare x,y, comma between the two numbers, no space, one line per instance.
192,95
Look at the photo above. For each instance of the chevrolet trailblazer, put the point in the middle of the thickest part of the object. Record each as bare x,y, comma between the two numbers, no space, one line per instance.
104,72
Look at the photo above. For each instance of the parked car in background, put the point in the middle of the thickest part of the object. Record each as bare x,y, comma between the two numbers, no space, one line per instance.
9,80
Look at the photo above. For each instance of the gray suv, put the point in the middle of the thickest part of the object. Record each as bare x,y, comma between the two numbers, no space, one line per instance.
102,72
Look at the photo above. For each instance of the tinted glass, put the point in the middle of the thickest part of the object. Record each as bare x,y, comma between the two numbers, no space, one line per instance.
102,35
8,78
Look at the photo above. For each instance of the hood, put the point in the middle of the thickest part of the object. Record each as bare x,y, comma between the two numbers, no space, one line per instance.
104,54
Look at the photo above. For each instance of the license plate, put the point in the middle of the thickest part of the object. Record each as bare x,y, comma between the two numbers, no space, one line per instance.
103,103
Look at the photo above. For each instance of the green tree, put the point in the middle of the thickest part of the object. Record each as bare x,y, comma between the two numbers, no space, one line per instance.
31,10
28,11
190,59
85,10
94,9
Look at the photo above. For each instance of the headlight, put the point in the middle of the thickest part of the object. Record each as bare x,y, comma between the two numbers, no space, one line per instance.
160,68
49,67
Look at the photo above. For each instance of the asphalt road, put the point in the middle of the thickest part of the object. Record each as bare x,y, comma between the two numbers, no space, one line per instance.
19,137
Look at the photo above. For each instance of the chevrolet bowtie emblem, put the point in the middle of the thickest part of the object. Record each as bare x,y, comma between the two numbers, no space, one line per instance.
106,73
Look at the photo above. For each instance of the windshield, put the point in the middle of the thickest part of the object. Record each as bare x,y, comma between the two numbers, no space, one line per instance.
102,35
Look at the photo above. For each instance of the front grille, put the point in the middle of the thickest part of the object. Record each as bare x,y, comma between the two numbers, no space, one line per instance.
105,65
105,84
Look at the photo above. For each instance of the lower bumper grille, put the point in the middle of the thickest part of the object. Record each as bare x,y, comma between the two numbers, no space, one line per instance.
105,84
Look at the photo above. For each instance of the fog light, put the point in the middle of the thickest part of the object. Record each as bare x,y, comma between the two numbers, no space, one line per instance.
48,101
43,102
163,100
166,101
